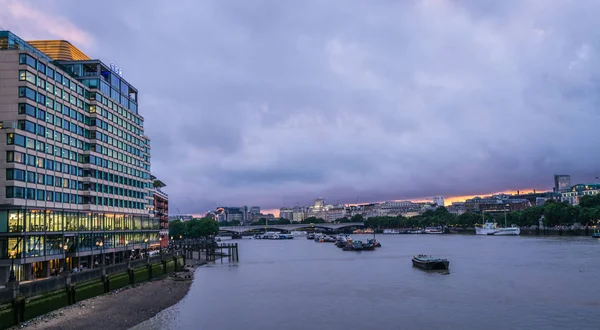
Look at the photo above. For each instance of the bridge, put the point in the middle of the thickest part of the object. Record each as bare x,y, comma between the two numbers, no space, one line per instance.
325,226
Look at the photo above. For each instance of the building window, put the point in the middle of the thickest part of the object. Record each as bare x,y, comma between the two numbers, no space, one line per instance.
25,75
30,193
27,59
26,109
27,92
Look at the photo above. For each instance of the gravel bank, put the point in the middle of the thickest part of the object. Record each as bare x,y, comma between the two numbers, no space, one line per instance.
121,309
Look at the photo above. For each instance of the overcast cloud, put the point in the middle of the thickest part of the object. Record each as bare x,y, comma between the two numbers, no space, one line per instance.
273,103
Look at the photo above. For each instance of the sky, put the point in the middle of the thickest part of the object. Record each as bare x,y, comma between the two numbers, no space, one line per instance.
275,103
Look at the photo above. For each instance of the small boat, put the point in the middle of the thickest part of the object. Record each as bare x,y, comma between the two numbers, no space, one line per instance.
434,230
429,263
374,242
270,235
310,236
286,236
326,239
342,240
354,246
596,234
391,231
492,229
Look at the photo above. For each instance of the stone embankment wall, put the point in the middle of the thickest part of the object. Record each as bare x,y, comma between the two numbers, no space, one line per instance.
19,303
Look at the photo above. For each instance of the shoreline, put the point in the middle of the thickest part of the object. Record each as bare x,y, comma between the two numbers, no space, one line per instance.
118,310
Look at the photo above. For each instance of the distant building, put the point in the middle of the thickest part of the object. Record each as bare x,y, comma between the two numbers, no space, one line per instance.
336,212
182,217
298,214
577,191
439,200
562,182
534,197
286,213
227,213
495,204
161,210
254,210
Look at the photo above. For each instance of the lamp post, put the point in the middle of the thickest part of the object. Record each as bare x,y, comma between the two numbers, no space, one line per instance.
102,251
66,248
12,255
147,254
127,247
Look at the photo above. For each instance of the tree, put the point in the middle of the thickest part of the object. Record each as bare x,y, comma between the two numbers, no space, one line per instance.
282,221
202,228
357,218
589,201
176,229
227,223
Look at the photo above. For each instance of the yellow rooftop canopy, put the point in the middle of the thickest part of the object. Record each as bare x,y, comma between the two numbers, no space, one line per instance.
59,50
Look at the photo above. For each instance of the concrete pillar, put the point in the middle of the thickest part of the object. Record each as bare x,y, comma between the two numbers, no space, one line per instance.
46,268
4,274
27,272
112,258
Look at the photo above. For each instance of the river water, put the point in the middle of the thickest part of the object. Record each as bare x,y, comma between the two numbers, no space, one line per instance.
493,283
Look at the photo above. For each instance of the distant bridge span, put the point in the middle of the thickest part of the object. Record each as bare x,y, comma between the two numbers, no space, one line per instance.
326,226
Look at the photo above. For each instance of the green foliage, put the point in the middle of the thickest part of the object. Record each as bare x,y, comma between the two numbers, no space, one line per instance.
590,201
176,229
357,218
555,214
201,228
310,220
194,228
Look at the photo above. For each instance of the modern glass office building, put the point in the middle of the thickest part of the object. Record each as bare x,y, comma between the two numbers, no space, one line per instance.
74,161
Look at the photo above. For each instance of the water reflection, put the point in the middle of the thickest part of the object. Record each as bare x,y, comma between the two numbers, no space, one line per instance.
493,283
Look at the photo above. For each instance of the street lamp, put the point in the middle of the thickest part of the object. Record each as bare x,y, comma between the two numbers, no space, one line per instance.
147,254
66,248
127,246
101,244
12,255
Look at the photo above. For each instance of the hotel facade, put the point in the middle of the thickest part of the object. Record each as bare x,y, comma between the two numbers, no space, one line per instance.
74,162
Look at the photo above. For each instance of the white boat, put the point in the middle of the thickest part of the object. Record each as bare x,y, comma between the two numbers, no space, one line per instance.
270,235
434,230
391,231
299,233
492,229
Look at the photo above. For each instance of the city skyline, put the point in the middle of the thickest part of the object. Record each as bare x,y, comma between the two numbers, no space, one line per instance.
295,101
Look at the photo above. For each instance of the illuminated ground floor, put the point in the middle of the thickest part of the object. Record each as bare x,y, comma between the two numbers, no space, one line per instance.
40,243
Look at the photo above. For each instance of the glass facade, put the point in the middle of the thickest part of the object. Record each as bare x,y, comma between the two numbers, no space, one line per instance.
77,162
44,233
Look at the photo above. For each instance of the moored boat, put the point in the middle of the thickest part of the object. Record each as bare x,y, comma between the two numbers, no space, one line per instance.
596,234
428,262
492,229
434,230
354,246
374,242
391,231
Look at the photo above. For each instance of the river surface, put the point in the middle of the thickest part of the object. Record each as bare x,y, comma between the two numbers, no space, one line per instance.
493,283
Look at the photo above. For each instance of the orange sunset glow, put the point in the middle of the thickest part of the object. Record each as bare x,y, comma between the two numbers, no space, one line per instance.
447,200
